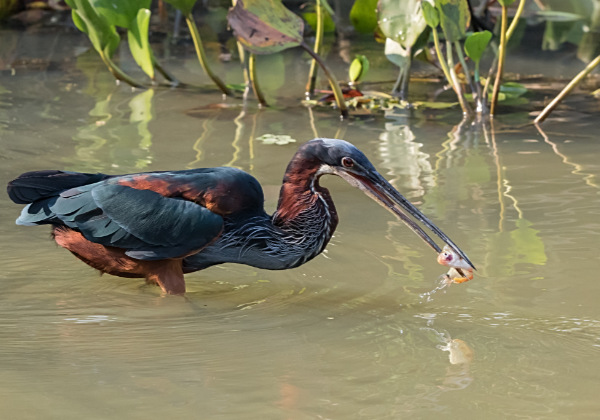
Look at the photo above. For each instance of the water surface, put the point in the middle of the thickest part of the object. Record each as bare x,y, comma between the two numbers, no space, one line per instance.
354,334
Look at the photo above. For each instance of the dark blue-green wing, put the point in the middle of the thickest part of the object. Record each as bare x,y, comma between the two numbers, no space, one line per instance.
147,224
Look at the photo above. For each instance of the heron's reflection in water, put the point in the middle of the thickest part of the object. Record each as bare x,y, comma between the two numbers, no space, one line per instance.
458,375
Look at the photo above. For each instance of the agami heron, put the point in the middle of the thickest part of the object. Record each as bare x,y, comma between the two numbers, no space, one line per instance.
161,225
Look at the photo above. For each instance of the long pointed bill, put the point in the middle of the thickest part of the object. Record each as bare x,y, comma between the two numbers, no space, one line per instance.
383,193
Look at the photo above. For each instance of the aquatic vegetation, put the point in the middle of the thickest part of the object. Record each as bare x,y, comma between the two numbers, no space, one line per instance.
455,29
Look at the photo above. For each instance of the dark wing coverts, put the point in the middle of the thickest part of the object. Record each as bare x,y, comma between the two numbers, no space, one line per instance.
126,212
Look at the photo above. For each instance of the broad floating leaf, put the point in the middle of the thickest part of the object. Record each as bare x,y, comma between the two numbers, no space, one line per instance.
476,43
363,16
265,26
454,18
401,21
137,36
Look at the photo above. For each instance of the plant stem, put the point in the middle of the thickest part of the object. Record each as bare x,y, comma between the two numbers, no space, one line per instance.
245,69
576,80
480,107
255,86
312,75
202,56
168,76
501,55
396,87
515,21
118,73
441,59
454,79
337,92
242,53
406,78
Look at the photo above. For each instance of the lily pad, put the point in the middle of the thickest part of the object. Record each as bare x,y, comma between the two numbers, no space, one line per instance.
278,139
265,26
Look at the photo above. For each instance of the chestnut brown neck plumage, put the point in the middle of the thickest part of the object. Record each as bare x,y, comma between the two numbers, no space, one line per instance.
301,194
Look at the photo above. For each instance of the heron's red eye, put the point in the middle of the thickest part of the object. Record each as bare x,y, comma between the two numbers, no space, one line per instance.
347,162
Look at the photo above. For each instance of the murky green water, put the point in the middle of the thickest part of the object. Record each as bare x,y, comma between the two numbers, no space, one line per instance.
354,333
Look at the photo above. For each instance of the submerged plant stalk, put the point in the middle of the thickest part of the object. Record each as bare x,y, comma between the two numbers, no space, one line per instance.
253,79
168,76
337,92
567,89
449,76
441,59
118,73
406,76
312,75
454,80
480,107
501,56
202,56
515,21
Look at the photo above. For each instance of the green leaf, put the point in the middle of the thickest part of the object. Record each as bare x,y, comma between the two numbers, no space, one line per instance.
506,3
185,6
119,12
265,26
137,35
513,89
476,43
363,16
434,105
555,16
454,18
401,21
431,14
358,68
311,19
395,53
101,33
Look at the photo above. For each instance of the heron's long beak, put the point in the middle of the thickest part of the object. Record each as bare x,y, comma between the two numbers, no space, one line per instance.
376,187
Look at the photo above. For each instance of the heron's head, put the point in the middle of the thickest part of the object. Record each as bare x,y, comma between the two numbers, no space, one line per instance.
338,157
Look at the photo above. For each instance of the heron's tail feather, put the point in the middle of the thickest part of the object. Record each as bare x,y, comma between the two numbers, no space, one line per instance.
33,186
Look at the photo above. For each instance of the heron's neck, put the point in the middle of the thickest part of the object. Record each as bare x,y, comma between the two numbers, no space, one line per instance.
305,208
